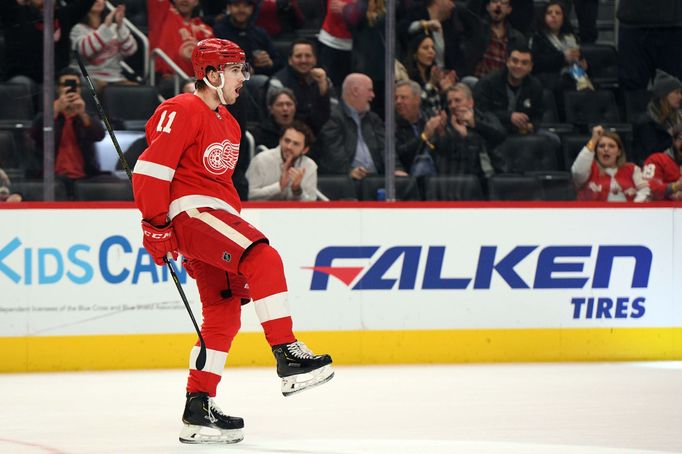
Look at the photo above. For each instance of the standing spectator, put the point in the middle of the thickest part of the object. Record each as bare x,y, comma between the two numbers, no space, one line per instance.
414,130
335,42
281,113
586,11
352,141
239,28
663,170
648,39
22,21
285,172
104,41
487,49
76,132
6,193
555,49
653,131
310,84
421,66
174,29
367,21
512,94
279,17
601,173
434,18
471,136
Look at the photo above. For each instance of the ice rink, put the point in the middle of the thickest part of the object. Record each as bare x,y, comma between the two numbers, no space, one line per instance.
512,408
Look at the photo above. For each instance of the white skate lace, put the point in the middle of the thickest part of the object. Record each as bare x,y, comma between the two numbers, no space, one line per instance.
300,350
212,407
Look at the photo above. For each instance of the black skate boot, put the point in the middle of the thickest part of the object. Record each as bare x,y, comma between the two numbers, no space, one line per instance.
205,423
301,369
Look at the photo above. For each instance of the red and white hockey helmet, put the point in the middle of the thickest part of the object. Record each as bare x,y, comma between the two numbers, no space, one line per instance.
216,53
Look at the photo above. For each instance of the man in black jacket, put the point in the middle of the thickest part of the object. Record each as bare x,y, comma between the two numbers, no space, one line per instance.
512,94
310,84
352,141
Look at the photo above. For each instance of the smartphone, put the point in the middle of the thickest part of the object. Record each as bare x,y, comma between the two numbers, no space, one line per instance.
70,85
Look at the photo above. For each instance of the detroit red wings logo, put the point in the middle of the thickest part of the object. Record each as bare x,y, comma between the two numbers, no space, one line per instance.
219,157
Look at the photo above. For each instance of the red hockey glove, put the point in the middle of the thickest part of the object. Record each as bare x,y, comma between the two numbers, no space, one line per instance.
159,241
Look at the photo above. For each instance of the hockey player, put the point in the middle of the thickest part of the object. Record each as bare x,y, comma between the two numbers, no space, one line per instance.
663,170
183,187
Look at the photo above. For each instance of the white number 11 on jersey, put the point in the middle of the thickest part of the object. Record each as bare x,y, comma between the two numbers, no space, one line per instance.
166,128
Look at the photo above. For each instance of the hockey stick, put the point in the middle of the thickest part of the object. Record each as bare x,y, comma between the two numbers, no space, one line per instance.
201,358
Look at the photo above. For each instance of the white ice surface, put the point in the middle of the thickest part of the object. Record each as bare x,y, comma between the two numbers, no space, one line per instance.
488,409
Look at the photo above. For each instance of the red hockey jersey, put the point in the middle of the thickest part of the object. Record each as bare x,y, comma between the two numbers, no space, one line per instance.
189,162
660,169
177,38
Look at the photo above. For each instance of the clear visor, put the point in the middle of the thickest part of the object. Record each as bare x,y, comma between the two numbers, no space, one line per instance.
244,68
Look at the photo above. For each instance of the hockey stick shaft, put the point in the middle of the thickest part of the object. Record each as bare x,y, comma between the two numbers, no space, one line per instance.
201,358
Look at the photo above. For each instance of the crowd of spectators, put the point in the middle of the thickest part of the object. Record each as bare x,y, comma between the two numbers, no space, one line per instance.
471,76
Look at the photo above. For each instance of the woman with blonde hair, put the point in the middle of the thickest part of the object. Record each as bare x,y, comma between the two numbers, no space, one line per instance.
601,171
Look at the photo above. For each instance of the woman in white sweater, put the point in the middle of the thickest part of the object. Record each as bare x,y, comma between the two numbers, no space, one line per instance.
103,40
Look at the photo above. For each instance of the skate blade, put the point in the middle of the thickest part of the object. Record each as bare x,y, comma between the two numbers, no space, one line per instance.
301,382
207,435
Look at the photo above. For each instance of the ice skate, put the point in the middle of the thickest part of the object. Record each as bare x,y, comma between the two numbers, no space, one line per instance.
205,423
300,369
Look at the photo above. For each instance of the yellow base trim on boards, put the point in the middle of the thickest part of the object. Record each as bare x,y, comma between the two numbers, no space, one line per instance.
154,351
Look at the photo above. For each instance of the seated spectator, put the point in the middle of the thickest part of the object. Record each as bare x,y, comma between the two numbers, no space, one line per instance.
662,170
414,130
512,94
281,113
601,173
487,48
352,141
6,193
76,132
433,18
104,41
653,131
421,67
285,172
22,23
555,50
468,141
308,82
278,17
238,27
174,29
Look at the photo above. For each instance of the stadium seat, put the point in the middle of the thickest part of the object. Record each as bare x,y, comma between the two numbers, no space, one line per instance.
32,190
453,187
603,64
336,187
405,188
587,107
129,107
515,187
16,106
104,190
9,154
555,185
571,146
525,153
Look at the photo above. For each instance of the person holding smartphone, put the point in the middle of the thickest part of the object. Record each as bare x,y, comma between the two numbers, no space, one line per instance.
76,132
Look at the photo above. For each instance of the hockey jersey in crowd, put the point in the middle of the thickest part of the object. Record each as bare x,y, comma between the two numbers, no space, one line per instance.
660,169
